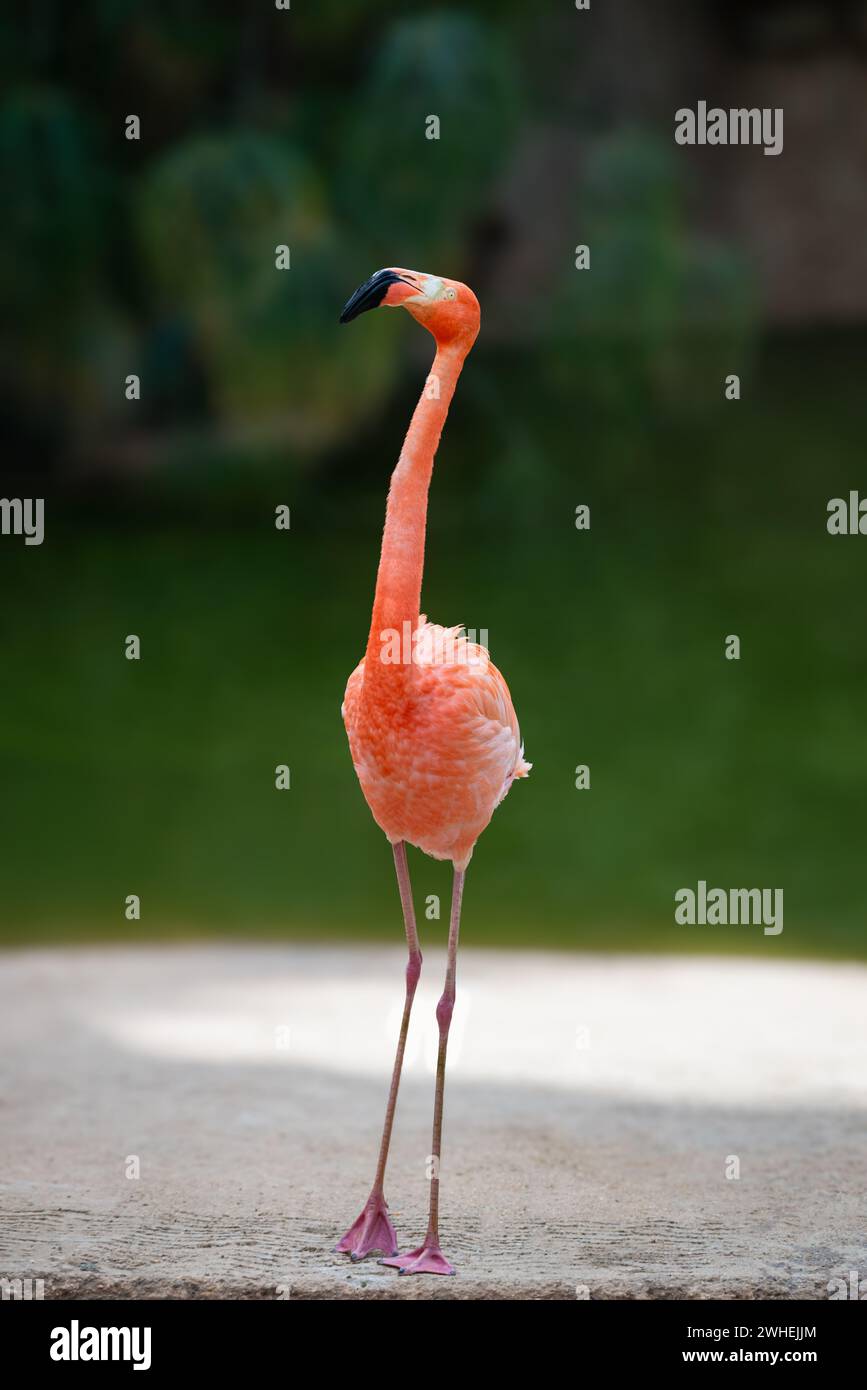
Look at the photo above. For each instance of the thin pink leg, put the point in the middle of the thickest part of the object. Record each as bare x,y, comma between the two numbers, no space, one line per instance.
373,1229
429,1258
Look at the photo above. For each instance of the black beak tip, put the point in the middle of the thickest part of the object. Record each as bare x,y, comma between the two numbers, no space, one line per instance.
369,295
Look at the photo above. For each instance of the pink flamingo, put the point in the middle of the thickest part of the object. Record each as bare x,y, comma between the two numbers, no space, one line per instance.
432,731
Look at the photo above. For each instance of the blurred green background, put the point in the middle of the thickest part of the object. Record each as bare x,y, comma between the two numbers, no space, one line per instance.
603,386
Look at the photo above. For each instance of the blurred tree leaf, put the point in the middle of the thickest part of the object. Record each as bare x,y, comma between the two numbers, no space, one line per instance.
211,215
422,190
213,210
53,221
662,312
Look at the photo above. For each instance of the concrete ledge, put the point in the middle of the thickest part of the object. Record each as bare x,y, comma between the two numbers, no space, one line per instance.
592,1107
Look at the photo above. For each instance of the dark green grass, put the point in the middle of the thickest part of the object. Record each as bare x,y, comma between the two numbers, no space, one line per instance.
157,777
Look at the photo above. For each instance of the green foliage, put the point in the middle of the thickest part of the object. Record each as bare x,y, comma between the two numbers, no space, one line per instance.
308,130
212,211
161,253
51,269
156,776
211,216
392,177
661,313
334,24
54,214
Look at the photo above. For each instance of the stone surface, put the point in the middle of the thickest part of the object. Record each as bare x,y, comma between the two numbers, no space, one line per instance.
592,1106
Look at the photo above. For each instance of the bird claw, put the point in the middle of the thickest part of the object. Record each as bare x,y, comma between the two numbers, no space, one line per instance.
372,1231
427,1259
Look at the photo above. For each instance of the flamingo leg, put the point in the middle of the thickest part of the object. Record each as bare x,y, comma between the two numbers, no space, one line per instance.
429,1258
373,1229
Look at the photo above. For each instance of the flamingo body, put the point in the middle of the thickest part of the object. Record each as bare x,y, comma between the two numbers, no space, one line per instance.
436,756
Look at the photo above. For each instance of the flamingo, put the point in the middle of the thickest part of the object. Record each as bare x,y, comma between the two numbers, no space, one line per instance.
432,731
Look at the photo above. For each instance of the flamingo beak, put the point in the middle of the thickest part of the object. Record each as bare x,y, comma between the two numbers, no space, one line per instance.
371,294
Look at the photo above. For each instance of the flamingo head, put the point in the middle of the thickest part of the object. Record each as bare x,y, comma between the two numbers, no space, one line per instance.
446,308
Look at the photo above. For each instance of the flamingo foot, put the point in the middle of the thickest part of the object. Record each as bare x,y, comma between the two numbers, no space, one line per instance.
372,1231
427,1259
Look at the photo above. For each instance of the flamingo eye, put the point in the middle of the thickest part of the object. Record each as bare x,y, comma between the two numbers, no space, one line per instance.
450,293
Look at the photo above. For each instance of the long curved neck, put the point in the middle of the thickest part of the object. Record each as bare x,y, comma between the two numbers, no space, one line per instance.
401,561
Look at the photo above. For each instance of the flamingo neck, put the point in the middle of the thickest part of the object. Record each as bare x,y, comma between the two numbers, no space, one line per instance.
401,561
